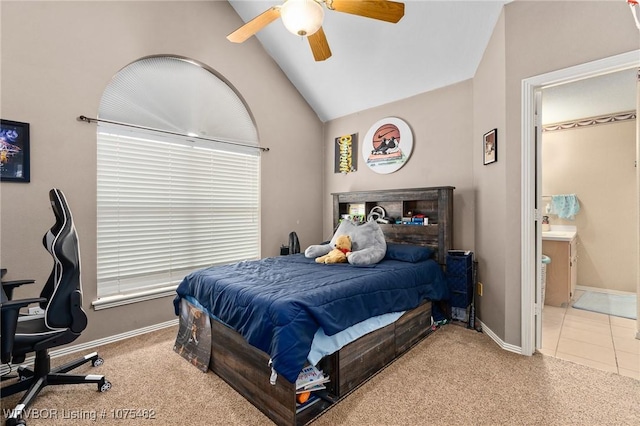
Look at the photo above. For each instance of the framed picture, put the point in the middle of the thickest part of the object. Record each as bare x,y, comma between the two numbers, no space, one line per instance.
14,151
346,154
490,146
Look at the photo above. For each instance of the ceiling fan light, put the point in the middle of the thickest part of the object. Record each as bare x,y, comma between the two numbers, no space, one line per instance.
302,17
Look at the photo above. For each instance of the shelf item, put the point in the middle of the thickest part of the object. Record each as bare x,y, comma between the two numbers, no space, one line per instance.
311,379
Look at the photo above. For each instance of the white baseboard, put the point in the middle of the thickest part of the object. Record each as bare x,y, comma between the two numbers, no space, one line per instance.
506,346
88,346
602,290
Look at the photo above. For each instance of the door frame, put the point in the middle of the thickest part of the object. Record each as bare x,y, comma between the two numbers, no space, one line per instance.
531,236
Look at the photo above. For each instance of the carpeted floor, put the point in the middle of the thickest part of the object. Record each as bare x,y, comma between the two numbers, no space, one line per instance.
454,377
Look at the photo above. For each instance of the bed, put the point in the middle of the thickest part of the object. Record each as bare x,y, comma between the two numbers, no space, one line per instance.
265,316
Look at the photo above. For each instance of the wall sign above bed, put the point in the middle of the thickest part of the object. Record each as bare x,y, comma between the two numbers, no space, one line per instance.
387,145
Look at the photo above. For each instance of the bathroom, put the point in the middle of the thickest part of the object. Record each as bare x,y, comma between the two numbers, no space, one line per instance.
588,150
593,156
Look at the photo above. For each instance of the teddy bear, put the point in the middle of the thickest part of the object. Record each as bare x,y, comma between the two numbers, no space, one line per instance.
339,253
368,245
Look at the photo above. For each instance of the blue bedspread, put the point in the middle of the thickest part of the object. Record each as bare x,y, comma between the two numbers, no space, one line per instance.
277,304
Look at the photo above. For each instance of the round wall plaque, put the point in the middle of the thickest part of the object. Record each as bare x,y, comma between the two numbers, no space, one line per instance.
387,145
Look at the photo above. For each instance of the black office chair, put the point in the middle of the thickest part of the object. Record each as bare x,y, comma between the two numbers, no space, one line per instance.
62,322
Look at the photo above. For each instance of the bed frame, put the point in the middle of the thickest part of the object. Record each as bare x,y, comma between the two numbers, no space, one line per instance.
246,369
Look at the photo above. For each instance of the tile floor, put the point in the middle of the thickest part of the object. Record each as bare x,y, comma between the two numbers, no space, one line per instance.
597,340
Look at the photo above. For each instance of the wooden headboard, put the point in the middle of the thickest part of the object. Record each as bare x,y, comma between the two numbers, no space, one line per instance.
434,203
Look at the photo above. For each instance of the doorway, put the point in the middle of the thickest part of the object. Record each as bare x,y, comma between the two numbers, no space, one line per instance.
531,202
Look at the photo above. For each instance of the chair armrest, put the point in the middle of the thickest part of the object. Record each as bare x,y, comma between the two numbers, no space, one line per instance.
10,285
16,283
9,312
21,303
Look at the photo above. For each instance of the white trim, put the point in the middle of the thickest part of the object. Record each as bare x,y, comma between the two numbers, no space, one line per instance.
4,369
528,217
638,205
506,346
529,85
603,290
125,299
537,290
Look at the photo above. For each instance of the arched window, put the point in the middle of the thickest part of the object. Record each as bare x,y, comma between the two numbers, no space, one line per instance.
178,178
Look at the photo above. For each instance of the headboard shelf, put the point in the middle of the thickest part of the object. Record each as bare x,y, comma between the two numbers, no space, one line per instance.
435,203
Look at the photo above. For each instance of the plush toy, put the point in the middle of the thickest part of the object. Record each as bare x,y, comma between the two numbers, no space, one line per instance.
368,245
339,253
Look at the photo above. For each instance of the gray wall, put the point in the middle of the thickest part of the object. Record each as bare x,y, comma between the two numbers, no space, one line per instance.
58,57
442,129
489,98
542,37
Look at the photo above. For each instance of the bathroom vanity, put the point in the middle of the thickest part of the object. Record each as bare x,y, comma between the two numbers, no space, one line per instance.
562,273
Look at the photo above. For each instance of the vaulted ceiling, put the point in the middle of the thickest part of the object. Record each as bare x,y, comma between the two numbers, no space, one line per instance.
435,44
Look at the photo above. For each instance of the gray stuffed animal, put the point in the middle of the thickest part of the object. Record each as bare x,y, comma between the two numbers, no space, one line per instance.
368,245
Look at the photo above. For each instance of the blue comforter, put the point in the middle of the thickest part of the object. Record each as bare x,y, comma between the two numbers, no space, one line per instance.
277,304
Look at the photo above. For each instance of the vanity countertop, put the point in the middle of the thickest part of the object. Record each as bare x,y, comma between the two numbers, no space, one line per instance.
558,235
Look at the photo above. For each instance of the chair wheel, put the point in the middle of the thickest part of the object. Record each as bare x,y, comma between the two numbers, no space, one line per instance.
97,362
16,422
105,386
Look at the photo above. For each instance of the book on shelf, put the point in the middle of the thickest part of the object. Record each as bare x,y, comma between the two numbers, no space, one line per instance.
311,388
308,403
309,379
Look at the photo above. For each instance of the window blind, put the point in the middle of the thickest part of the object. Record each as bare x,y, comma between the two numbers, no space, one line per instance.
167,206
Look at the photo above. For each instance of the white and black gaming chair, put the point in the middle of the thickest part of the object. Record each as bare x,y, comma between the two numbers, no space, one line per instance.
62,322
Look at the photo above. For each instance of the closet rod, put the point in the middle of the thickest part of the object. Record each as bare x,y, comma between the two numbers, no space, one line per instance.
98,120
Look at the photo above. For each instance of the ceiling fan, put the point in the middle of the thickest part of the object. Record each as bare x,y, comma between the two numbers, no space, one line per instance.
304,18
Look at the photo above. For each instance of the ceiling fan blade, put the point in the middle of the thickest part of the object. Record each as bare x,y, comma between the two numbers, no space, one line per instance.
382,10
254,25
319,45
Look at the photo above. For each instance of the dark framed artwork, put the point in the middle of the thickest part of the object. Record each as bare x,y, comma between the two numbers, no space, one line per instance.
490,147
14,151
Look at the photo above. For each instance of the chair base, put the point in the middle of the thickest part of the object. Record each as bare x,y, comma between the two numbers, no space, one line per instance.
33,381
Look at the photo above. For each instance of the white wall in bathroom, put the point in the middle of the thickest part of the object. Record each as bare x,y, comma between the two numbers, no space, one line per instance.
597,163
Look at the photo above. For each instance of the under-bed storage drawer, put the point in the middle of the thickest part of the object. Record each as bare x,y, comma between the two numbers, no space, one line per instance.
359,360
412,326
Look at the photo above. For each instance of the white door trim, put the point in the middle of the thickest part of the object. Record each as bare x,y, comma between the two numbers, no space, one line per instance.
529,258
